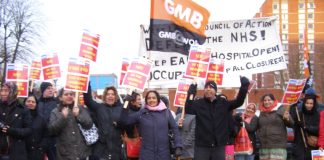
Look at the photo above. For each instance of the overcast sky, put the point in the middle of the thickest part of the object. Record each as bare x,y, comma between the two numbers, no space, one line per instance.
118,23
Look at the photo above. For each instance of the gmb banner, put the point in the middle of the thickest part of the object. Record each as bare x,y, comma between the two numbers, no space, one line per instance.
245,46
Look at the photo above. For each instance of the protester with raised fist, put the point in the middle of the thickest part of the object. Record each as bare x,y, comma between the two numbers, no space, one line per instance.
212,114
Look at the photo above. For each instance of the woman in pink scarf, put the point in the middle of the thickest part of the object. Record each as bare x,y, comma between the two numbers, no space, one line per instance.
250,122
154,122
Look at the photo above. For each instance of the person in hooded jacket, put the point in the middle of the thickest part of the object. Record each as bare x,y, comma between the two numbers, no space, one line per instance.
154,122
109,145
35,143
64,122
15,124
308,123
46,103
250,121
212,114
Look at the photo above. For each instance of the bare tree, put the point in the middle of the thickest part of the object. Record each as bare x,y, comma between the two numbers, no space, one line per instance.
20,28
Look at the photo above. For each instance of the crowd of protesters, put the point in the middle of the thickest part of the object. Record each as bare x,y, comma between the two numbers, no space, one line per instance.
48,126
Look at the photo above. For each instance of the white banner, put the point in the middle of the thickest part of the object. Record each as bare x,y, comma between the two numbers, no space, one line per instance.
246,46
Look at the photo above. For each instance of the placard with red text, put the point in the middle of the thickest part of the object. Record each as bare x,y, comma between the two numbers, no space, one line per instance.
77,75
89,46
181,93
293,91
35,70
198,62
137,74
51,66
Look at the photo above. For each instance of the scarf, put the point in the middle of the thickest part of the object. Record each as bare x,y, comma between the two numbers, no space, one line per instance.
247,117
160,107
268,109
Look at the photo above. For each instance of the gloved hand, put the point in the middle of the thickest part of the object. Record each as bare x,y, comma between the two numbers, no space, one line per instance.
238,118
128,98
300,124
245,82
192,89
178,152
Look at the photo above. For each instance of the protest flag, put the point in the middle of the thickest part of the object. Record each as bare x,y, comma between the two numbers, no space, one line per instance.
177,24
307,67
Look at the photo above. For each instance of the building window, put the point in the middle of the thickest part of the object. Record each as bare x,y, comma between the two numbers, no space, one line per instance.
311,5
284,37
310,25
285,47
275,6
301,5
284,26
301,46
301,36
310,15
311,46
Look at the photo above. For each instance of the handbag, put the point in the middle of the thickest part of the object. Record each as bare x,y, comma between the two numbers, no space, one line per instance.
90,135
242,143
133,145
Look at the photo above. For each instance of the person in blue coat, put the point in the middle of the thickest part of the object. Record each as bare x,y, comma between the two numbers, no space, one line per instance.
154,122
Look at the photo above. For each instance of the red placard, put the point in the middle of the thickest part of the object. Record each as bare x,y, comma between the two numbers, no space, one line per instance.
52,72
36,64
196,69
88,52
79,68
200,56
77,75
22,88
216,77
76,82
137,73
89,46
49,60
90,38
180,99
124,69
293,91
35,74
135,80
216,67
17,72
140,67
290,98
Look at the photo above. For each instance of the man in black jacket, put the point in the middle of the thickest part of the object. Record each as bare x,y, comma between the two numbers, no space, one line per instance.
212,119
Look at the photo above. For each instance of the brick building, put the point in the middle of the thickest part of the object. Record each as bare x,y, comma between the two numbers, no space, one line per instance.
296,19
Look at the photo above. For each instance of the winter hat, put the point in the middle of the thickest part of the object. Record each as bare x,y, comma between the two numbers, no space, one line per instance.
44,85
311,92
212,84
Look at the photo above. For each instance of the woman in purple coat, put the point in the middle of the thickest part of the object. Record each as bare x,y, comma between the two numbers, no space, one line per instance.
154,122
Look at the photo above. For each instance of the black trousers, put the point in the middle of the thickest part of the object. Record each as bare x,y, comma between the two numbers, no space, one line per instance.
210,153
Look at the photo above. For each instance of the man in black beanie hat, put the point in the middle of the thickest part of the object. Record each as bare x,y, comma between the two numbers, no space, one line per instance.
212,116
47,103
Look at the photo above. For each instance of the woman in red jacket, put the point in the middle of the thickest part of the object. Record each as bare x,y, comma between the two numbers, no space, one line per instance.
321,132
